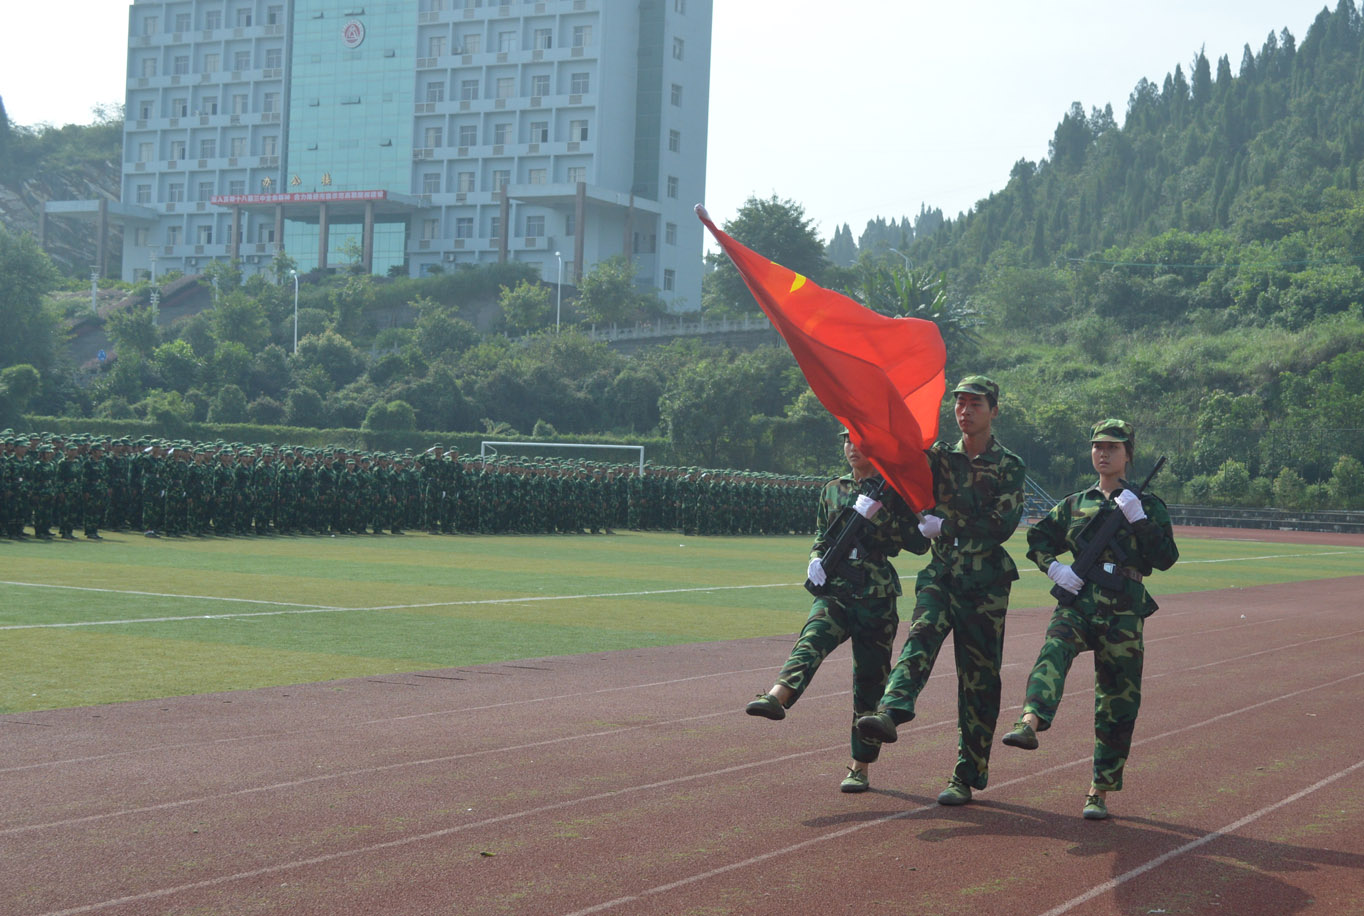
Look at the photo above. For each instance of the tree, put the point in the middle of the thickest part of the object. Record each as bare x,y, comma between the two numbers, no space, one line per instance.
29,333
303,407
1346,485
526,306
228,406
775,228
177,365
133,331
392,416
17,385
608,293
334,355
240,319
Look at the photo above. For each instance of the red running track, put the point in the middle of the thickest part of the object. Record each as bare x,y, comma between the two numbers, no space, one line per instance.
632,783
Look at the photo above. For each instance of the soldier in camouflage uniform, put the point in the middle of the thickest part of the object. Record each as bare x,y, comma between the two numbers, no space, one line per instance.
865,614
978,492
95,491
1109,623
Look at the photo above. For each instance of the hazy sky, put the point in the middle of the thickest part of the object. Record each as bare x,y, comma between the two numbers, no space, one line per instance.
854,110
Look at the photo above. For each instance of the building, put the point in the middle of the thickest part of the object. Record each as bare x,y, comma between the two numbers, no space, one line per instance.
418,135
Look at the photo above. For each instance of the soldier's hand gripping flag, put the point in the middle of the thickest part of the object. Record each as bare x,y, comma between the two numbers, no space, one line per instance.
882,378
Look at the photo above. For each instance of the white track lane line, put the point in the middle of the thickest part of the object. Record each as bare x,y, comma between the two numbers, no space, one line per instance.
437,834
1101,889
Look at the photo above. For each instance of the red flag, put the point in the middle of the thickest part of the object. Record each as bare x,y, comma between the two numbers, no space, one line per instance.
883,378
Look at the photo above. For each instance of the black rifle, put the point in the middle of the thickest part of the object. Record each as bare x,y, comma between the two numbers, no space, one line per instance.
1087,565
845,533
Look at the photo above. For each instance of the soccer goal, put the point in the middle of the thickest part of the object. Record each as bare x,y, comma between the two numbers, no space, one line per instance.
490,445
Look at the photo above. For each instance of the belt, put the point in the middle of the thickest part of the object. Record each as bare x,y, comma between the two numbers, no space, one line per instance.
1126,571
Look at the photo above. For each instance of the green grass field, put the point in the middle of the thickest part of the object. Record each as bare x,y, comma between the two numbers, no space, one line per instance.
132,618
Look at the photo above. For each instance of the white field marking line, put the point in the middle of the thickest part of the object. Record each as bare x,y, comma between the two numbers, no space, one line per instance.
1015,636
1160,860
448,831
599,734
899,815
327,609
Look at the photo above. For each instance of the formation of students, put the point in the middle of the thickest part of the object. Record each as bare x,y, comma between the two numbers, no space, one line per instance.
58,486
964,590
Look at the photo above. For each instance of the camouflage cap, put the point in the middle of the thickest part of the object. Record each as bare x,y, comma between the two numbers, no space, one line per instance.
844,433
978,384
1112,430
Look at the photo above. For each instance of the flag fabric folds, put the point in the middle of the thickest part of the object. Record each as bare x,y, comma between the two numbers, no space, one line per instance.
882,378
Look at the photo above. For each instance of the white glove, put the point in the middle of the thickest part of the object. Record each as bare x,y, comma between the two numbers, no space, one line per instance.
816,572
1064,576
931,526
1130,504
866,506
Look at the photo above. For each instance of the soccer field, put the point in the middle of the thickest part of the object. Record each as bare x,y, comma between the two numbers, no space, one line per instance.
131,618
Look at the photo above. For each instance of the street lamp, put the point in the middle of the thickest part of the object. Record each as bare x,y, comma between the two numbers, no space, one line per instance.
295,275
559,292
908,266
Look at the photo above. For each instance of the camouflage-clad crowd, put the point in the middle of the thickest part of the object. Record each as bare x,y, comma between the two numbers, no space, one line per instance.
90,483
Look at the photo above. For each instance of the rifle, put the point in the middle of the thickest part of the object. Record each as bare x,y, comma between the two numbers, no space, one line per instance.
1087,565
846,530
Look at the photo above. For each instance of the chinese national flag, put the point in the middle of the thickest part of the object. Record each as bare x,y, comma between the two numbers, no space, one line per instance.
883,378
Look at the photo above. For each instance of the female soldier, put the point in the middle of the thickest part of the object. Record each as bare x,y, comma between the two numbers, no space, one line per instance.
1108,622
864,613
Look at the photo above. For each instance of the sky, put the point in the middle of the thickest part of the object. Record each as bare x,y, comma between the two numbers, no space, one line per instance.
853,110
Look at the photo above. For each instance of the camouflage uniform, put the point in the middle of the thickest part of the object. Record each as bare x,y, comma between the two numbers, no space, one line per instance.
1107,623
964,588
865,614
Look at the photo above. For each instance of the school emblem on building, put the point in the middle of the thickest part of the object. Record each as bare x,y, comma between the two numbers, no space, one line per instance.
353,33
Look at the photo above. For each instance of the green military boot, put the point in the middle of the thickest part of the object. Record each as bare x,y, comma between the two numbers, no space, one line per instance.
767,706
855,781
877,727
956,793
1095,809
1023,736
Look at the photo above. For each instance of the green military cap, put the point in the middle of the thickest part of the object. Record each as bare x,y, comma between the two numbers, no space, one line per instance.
978,384
1112,430
843,433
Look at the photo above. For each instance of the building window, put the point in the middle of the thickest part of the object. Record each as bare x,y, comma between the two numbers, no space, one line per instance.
582,36
435,46
430,229
144,152
495,227
208,149
468,135
211,63
674,141
274,15
149,67
431,183
670,233
577,173
539,85
241,60
243,18
577,130
542,39
506,41
506,87
205,190
536,176
466,182
265,234
433,137
177,150
539,131
473,44
580,83
173,235
270,102
468,90
435,91
213,19
204,236
570,224
239,104
209,105
140,236
237,146
501,178
144,194
179,108
274,58
269,145
150,25
464,227
672,186
502,134
144,111
669,280
182,22
236,186
677,48
676,95
680,7
535,227
180,65
176,191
